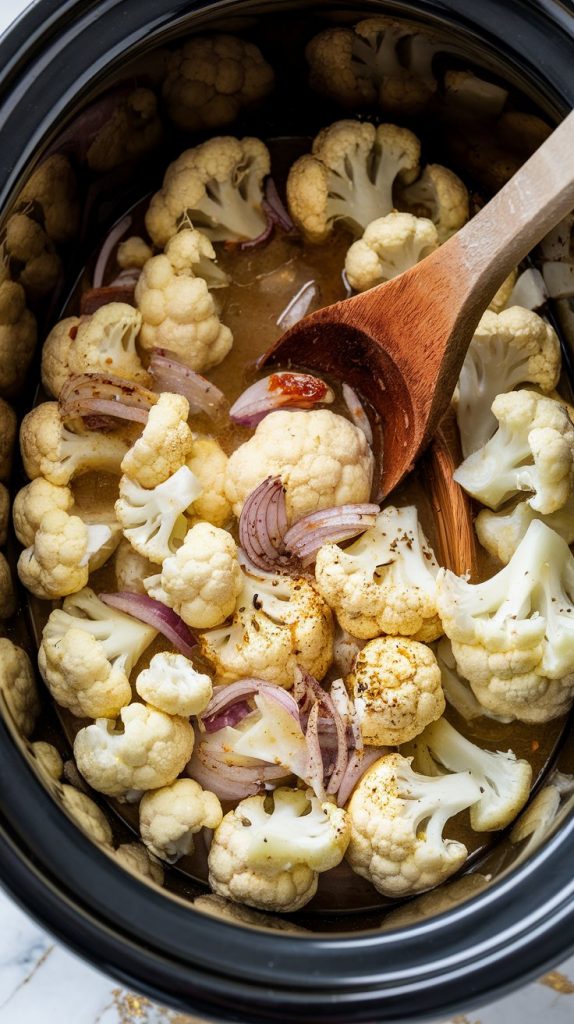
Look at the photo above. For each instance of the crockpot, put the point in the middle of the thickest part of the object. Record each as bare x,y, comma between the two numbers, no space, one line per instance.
445,952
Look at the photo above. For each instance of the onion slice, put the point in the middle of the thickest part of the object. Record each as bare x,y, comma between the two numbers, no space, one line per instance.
278,391
358,763
357,412
263,525
98,394
230,782
274,207
94,298
227,696
155,614
169,374
110,242
328,526
298,306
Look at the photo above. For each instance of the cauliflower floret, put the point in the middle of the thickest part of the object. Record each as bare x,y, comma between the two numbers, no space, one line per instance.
172,684
209,463
321,458
133,252
504,781
191,250
379,60
4,513
474,95
500,298
87,653
513,347
33,502
18,334
279,623
29,256
385,581
48,759
389,246
217,186
53,187
163,446
133,128
440,195
170,817
532,450
52,450
179,314
64,552
203,580
131,569
56,354
269,851
7,438
226,910
7,593
349,176
396,688
87,815
501,532
513,635
153,520
134,858
18,692
148,750
397,820
212,78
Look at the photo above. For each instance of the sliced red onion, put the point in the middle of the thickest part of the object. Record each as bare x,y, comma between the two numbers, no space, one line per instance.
279,390
128,277
226,696
315,768
94,298
298,306
110,242
274,207
347,285
265,234
231,782
329,525
155,614
171,375
232,716
263,525
92,395
357,412
358,763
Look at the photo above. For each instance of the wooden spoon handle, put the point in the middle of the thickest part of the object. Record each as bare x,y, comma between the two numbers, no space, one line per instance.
538,196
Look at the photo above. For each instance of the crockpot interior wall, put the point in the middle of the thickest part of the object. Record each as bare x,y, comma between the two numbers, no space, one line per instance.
52,867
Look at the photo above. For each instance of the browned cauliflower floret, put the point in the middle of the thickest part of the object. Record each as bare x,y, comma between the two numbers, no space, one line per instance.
18,335
134,128
18,687
440,195
29,256
4,513
54,189
212,78
7,438
7,593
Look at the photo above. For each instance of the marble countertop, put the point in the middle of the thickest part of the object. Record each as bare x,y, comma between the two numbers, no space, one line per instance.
42,983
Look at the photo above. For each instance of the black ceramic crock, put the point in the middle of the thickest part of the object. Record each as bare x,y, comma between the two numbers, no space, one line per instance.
350,970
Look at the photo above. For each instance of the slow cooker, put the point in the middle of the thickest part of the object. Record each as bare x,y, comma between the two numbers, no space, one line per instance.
511,915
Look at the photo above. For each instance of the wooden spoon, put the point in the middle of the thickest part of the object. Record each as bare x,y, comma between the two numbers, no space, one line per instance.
402,344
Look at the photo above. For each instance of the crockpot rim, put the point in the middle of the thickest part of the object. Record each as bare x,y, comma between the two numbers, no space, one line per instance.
37,28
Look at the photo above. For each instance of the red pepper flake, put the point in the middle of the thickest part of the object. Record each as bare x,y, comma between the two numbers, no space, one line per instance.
72,333
298,385
534,746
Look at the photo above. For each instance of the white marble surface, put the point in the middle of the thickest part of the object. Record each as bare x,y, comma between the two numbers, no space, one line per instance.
42,983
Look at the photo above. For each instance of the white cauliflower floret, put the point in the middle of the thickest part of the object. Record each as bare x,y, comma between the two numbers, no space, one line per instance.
532,450
87,815
153,519
191,251
397,820
48,759
501,532
203,580
7,438
131,569
134,858
321,458
510,348
18,334
170,817
396,689
269,851
389,246
148,750
64,552
7,593
513,635
385,581
218,187
87,653
33,502
133,252
209,463
52,450
379,60
504,781
212,78
179,313
280,622
18,691
103,342
440,195
349,176
164,444
172,684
